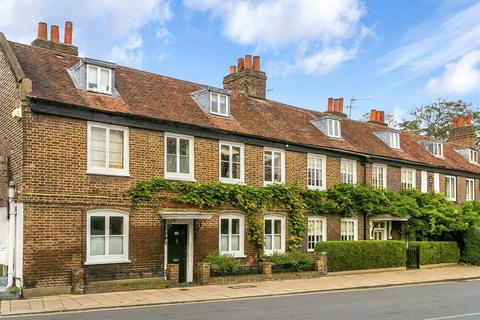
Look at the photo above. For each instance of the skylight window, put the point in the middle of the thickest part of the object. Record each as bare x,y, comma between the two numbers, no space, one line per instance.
394,140
219,104
333,128
99,79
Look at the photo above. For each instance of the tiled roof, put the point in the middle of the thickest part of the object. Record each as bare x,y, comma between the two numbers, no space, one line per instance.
159,97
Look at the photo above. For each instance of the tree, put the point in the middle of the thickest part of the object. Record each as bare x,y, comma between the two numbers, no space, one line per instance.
436,119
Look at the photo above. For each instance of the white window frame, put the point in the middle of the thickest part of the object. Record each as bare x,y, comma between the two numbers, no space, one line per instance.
108,258
232,253
473,156
282,161
437,149
345,162
240,180
315,220
394,140
436,182
323,167
423,181
334,128
375,179
344,236
404,183
99,71
448,191
375,229
470,189
125,171
227,104
274,217
177,175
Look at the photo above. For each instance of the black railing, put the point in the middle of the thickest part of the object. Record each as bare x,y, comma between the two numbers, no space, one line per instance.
413,257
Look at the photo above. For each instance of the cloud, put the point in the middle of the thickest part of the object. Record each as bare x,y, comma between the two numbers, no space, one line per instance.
103,29
434,44
460,77
321,34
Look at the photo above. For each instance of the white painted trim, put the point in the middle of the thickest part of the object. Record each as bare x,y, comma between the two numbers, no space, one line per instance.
472,196
190,246
242,162
283,234
355,227
19,247
454,196
108,259
125,172
227,102
385,230
323,168
334,125
229,216
177,175
99,72
182,215
403,173
282,163
423,181
324,228
385,168
354,169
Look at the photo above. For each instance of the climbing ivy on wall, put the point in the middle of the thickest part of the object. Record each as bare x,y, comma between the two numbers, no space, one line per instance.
433,216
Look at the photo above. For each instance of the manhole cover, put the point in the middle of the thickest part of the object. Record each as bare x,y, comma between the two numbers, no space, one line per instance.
243,286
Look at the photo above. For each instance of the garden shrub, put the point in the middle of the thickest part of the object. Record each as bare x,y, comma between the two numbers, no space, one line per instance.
433,252
223,265
295,260
359,255
471,250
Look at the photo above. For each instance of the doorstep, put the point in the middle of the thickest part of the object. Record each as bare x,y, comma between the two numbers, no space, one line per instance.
192,294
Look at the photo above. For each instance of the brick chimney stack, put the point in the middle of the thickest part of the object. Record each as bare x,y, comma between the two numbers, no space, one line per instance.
463,132
247,77
378,117
335,106
54,42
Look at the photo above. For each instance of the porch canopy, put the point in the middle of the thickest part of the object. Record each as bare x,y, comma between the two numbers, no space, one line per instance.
185,215
381,225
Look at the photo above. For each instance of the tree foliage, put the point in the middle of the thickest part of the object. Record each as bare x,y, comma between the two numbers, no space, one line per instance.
436,119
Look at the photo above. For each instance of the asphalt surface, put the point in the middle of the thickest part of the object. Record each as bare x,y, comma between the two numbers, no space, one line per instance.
456,300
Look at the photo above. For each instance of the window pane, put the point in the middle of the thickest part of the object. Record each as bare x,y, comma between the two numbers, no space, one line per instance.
268,242
97,226
223,104
98,147
235,226
184,147
105,80
268,226
92,77
225,168
116,226
224,243
225,153
235,170
214,102
116,149
171,163
171,145
268,158
235,243
184,164
277,244
236,154
97,246
278,227
115,245
268,173
224,226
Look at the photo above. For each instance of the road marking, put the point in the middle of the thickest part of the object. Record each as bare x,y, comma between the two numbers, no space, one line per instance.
456,316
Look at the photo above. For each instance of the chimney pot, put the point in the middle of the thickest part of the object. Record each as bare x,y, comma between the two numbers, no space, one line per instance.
233,69
248,61
455,121
381,116
54,34
42,31
461,121
240,64
330,105
68,32
468,120
340,105
373,115
335,105
256,63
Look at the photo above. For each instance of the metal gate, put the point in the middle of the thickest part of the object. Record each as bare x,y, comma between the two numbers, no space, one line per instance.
413,257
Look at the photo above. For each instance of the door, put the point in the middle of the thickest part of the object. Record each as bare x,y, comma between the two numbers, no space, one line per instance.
177,248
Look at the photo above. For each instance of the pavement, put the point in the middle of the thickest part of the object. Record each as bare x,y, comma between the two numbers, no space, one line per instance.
197,294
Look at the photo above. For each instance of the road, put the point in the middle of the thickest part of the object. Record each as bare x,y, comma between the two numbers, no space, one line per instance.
455,300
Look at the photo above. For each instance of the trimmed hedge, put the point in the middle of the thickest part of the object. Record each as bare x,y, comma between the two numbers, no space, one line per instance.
471,250
296,261
360,255
434,252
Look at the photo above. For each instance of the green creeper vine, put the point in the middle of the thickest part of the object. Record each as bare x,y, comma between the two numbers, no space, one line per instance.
433,216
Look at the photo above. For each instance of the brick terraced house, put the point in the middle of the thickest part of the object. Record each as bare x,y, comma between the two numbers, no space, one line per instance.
77,133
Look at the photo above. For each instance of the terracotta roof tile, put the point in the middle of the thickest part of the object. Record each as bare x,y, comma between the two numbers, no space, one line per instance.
150,95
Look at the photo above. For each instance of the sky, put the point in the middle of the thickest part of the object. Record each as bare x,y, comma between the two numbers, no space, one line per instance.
390,55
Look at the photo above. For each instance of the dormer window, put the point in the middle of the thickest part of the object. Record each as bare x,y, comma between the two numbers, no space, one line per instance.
394,140
333,128
219,104
99,79
472,156
437,149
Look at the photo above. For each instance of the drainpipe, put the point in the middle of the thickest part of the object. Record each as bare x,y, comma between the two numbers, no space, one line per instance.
12,212
367,158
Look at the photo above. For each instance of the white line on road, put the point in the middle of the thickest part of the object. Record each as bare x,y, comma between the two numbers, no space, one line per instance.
465,315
